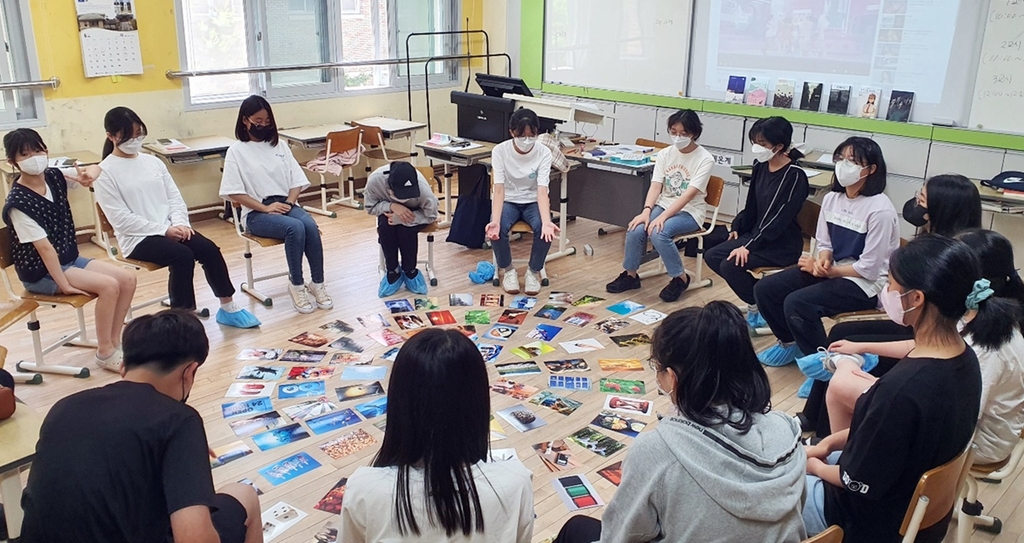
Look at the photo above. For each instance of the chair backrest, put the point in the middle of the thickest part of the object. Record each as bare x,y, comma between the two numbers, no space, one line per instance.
373,134
105,225
644,142
344,140
941,486
427,172
832,534
713,195
6,248
807,218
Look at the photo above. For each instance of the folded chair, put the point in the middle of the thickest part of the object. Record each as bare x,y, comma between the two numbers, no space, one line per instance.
249,286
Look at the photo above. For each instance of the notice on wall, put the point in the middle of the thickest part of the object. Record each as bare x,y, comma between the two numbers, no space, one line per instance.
110,37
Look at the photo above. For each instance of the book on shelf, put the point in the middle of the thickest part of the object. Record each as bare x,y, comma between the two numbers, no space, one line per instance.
811,98
737,86
757,91
784,90
839,99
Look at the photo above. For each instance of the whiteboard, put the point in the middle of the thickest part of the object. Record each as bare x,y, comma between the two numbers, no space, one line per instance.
999,90
625,45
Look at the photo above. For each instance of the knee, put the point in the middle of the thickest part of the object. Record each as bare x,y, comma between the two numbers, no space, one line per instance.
662,240
247,496
126,282
108,287
797,304
636,236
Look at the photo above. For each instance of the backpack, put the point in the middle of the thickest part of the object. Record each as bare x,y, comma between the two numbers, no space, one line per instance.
473,211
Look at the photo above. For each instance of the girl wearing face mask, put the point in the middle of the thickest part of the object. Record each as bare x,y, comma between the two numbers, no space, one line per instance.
262,176
674,206
150,219
766,233
946,205
856,233
919,415
45,251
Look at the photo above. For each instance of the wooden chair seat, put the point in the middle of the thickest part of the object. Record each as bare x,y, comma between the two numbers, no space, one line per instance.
432,227
13,311
985,469
263,242
521,227
148,266
863,315
832,534
392,154
76,300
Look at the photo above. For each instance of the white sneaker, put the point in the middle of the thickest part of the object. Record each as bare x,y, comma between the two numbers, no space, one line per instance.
300,298
113,363
319,292
532,283
511,281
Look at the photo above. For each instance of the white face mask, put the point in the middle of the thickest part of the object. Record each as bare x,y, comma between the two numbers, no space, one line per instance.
525,143
33,165
132,146
681,142
762,153
848,172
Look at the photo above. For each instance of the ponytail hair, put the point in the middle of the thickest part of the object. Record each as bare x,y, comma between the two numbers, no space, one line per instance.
776,131
120,122
1002,313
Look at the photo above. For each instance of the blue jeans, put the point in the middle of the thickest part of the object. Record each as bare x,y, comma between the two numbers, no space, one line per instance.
511,214
814,504
636,242
300,234
47,286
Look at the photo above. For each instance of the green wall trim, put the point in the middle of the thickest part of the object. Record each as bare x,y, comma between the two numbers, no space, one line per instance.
825,120
621,96
531,42
980,139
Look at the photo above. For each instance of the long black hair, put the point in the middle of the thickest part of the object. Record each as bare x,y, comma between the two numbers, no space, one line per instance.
776,131
866,153
719,379
954,205
22,141
993,328
120,122
439,410
251,106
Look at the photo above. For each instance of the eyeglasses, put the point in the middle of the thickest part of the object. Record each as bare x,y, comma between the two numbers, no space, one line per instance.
260,123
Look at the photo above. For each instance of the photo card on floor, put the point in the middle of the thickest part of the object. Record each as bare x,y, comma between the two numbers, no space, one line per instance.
271,439
331,502
263,355
398,306
556,455
576,492
257,423
478,316
303,356
260,373
337,327
310,339
302,390
347,444
521,418
555,402
288,468
567,365
515,389
310,409
355,392
619,423
250,390
250,407
333,421
622,386
596,442
278,519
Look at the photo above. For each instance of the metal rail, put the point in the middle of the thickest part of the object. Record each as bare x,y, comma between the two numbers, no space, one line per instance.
52,82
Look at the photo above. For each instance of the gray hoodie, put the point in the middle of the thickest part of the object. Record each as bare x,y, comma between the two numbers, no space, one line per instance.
377,199
684,482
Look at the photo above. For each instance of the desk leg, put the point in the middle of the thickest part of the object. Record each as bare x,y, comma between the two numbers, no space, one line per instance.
563,217
605,230
10,490
447,198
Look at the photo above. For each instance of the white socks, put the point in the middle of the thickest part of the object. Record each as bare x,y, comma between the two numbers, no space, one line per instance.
230,307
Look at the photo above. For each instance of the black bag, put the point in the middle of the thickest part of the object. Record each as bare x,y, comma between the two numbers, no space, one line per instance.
717,235
473,211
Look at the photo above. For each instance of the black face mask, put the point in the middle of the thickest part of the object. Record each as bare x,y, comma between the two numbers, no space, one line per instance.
184,394
262,133
914,213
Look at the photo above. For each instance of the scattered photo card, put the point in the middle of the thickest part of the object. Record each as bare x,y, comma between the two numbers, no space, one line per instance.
440,318
513,316
272,439
303,356
533,350
620,364
611,325
569,382
249,482
301,390
254,406
587,299
501,332
333,421
489,351
259,354
554,402
632,340
347,344
289,468
310,372
556,455
411,321
386,337
356,392
328,532
257,423
347,444
619,423
523,302
391,354
373,322
596,442
425,304
650,316
250,390
545,332
229,453
478,316
580,318
468,330
382,424
576,492
278,519
260,373
581,345
612,472
559,297
398,306
351,359
460,300
517,368
373,409
310,339
502,455
331,502
364,373
517,390
625,307
310,409
492,300
337,327
521,418
551,311
631,406
497,432
622,386
571,364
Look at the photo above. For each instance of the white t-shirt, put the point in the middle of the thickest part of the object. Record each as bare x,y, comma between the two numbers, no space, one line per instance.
506,499
677,171
259,170
1002,400
27,229
139,198
521,174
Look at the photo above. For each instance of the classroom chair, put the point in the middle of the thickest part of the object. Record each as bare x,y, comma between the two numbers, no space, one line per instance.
970,514
936,493
374,137
832,534
519,230
713,198
249,286
10,313
428,263
343,141
644,142
78,338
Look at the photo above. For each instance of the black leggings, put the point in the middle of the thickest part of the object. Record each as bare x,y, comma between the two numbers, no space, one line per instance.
739,279
395,239
579,529
180,257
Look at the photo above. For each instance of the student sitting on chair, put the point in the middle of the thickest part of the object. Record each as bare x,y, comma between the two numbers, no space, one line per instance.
722,466
674,206
856,233
45,250
766,233
262,176
403,203
130,461
521,176
917,417
150,219
432,479
946,205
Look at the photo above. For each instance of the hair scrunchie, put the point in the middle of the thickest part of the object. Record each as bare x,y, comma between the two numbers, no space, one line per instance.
980,293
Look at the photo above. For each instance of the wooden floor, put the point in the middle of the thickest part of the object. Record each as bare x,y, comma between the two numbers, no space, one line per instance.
351,254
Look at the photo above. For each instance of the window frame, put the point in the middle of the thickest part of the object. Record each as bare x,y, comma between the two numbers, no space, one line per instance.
26,34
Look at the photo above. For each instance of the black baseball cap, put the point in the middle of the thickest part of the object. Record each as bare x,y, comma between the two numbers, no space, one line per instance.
403,181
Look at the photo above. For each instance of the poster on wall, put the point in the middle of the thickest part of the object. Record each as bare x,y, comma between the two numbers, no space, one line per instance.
110,37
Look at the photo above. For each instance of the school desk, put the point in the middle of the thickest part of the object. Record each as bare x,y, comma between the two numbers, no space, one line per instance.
196,150
816,184
454,157
315,137
393,129
18,437
606,191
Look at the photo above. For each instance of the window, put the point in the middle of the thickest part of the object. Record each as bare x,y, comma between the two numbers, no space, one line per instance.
18,107
217,34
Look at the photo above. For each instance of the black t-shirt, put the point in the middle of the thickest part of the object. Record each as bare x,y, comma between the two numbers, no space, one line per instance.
112,464
768,223
918,416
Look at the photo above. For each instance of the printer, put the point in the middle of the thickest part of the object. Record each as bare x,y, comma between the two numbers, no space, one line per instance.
485,117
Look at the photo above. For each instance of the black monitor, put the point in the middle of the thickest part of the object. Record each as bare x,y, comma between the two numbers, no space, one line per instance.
496,85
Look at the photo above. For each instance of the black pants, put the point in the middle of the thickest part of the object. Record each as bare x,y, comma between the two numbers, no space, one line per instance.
579,529
180,257
395,239
815,409
739,279
793,302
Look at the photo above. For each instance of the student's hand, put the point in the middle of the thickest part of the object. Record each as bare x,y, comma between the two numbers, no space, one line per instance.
734,235
822,267
739,256
69,290
818,452
814,466
640,220
403,213
846,347
85,176
277,208
548,231
185,232
806,264
657,225
492,230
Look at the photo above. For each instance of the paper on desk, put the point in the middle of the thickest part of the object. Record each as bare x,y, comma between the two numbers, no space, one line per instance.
624,149
61,162
454,149
811,173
